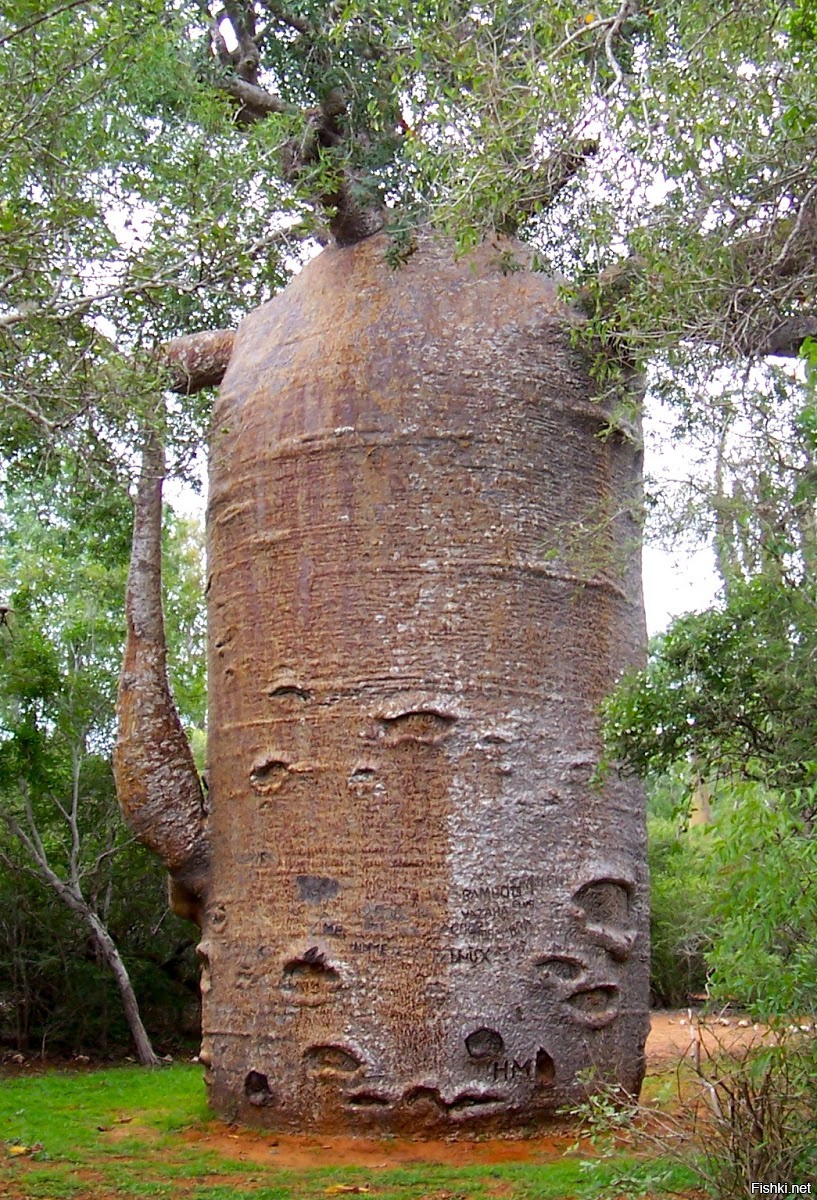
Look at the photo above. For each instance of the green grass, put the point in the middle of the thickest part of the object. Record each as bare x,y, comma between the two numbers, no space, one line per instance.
140,1151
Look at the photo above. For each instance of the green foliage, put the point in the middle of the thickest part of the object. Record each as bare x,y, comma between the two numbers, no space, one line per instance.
734,688
62,574
682,926
765,861
124,216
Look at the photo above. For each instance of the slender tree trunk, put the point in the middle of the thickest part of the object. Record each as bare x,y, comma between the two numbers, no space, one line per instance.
109,951
71,895
156,779
727,560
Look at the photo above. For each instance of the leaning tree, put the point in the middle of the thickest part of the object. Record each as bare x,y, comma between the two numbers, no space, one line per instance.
419,908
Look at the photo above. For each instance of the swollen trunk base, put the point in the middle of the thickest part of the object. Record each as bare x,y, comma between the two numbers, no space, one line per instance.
424,915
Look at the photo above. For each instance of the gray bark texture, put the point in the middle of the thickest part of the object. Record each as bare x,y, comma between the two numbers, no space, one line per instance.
424,915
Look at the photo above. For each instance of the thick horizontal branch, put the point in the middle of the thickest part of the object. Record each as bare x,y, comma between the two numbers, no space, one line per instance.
197,360
256,102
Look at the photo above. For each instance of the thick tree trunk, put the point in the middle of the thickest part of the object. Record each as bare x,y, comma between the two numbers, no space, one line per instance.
424,576
156,779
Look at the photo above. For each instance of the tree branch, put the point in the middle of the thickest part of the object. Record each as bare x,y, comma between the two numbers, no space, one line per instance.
197,360
609,52
551,178
292,20
246,59
55,12
786,339
765,333
256,102
80,305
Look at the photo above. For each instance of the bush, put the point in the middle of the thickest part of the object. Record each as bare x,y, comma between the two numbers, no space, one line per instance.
681,920
750,1120
764,856
762,1128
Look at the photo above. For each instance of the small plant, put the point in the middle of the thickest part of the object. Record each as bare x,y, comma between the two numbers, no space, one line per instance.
762,1128
750,1119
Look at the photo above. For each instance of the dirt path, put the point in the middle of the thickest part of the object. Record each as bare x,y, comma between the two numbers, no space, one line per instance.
672,1033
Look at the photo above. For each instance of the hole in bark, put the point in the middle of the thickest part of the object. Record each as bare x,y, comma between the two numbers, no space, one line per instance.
545,1070
311,965
369,1100
605,901
295,691
331,1058
594,1000
596,1006
473,1100
604,904
562,966
423,725
269,776
419,1095
316,889
203,955
484,1043
221,644
363,771
218,917
257,1089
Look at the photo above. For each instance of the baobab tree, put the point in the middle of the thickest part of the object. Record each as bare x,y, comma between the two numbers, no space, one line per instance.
419,908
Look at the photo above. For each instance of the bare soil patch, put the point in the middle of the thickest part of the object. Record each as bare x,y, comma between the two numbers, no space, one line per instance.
672,1035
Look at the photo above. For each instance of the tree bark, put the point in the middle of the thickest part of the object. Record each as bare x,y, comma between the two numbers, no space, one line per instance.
110,952
156,779
424,576
198,360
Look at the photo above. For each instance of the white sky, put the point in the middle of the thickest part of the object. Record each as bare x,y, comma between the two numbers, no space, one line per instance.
681,579
676,583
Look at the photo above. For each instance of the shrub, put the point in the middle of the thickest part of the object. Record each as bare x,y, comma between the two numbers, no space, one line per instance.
681,912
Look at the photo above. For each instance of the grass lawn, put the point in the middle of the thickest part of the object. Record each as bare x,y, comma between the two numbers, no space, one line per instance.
130,1132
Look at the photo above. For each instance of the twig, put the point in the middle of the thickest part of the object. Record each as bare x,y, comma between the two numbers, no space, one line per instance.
612,34
55,12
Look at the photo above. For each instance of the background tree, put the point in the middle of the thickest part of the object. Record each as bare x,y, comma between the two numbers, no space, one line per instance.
159,160
62,571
